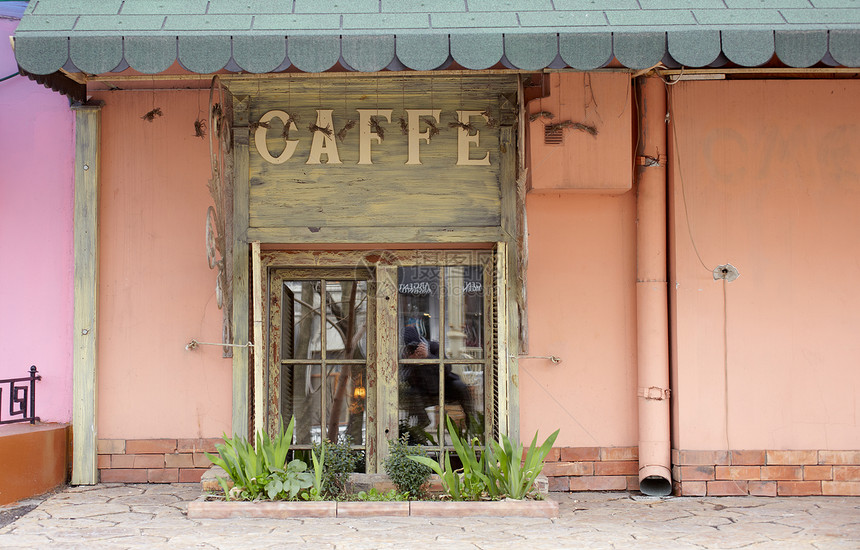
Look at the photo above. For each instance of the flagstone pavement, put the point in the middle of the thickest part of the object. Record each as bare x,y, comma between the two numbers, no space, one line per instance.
117,516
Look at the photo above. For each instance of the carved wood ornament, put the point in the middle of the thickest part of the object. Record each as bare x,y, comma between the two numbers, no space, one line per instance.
219,216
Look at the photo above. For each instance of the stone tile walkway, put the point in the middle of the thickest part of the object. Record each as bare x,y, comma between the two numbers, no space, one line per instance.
116,516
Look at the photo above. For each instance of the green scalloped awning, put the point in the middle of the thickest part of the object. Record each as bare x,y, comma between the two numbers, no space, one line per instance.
260,36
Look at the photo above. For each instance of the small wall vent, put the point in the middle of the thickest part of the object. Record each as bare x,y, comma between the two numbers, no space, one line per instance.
553,136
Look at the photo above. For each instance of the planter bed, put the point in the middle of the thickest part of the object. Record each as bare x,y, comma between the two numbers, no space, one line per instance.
217,509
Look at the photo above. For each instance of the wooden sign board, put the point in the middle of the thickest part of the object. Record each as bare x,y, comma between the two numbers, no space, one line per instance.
367,158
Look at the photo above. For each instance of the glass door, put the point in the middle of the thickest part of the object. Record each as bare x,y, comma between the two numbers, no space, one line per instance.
443,369
318,364
390,346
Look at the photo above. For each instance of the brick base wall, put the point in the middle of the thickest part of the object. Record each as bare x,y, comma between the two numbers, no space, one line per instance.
766,473
710,473
694,473
154,460
593,469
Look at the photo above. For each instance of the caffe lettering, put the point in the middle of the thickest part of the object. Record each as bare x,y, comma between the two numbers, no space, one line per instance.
324,142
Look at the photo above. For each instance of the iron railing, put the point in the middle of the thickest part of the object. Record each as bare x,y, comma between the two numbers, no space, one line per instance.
22,398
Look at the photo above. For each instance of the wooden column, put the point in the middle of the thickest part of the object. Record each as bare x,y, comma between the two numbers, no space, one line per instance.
507,174
386,359
86,281
240,267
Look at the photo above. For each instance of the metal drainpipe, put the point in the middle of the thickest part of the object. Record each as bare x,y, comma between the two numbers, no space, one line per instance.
652,317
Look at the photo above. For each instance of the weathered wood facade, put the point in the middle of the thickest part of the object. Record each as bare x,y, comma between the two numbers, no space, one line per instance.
326,192
386,162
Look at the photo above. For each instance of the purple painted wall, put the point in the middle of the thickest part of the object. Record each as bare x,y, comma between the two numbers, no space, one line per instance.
36,230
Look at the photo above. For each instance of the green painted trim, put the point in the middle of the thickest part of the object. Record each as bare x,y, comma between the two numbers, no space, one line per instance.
86,283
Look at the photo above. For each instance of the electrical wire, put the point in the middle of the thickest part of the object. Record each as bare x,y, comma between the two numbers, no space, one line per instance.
10,76
726,362
677,155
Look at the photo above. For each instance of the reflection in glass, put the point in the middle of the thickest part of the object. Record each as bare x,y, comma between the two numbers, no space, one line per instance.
300,397
464,312
301,320
419,403
342,306
418,304
464,399
433,389
346,395
346,317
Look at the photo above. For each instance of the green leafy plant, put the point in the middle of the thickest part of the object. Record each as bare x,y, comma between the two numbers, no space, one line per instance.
476,484
243,466
338,460
450,478
471,481
262,471
316,492
500,470
287,483
514,474
409,476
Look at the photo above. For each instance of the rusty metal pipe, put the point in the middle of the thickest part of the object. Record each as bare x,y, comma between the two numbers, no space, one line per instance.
652,317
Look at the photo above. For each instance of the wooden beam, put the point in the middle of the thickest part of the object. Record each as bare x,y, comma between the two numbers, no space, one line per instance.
86,281
260,392
502,335
351,235
240,267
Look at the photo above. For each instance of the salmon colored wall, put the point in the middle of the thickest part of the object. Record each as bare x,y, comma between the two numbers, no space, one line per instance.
582,308
771,175
156,291
36,206
583,162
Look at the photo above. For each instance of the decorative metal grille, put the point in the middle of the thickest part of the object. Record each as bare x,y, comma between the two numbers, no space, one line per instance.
21,397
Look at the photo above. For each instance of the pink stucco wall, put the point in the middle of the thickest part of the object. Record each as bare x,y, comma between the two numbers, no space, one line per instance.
581,266
582,308
156,291
36,232
766,177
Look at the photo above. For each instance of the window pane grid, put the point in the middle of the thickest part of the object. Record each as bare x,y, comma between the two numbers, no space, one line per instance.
443,310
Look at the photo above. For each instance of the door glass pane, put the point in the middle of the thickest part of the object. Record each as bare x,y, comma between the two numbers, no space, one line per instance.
300,397
346,319
418,307
464,312
464,398
300,335
419,403
346,401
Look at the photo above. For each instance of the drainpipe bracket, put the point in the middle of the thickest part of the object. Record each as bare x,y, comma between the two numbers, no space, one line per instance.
647,160
655,393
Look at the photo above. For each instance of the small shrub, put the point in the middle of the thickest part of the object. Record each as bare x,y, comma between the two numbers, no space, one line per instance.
339,461
374,495
409,476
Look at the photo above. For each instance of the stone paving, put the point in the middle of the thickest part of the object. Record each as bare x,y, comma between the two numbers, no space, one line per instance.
117,516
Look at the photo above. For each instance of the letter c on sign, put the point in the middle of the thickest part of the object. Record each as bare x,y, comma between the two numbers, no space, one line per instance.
260,138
